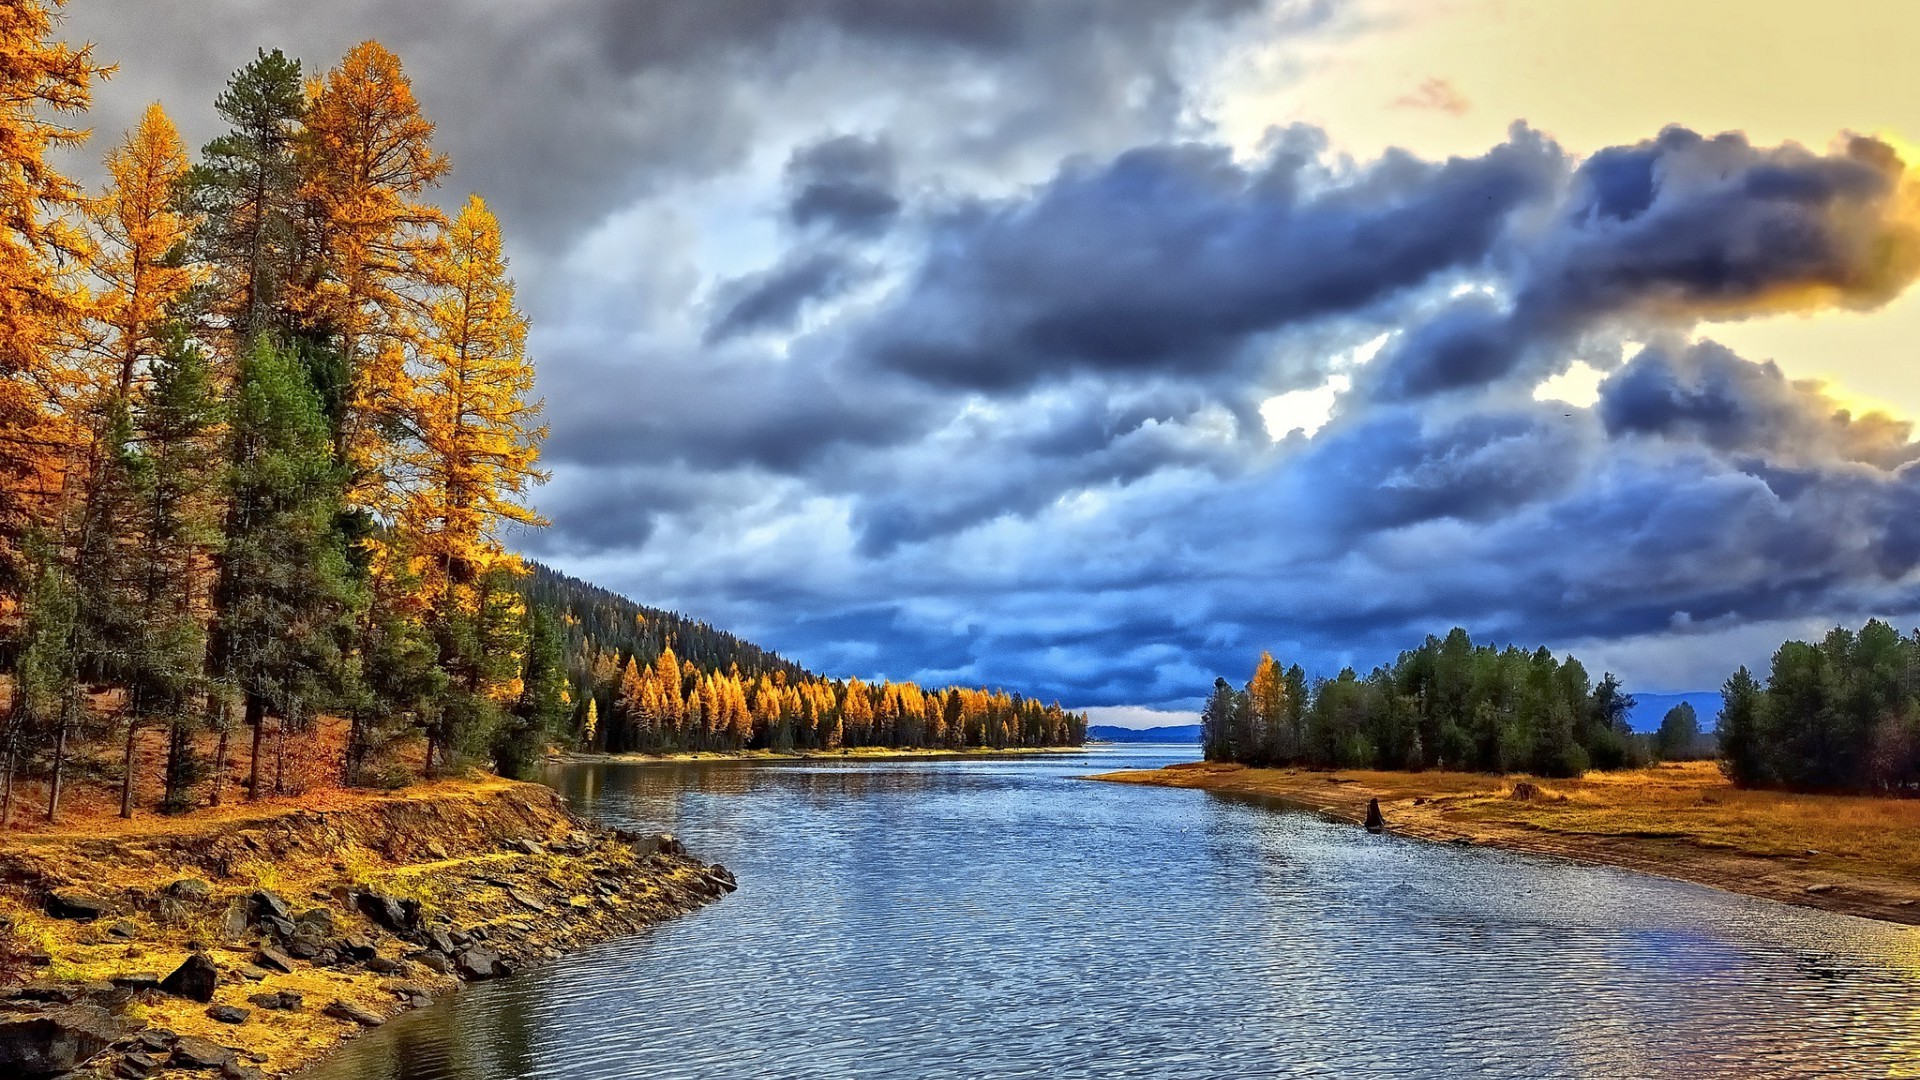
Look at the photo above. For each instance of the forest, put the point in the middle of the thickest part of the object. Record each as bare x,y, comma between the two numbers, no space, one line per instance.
1842,714
266,425
1448,704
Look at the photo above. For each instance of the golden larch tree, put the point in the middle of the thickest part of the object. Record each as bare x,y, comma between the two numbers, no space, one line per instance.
145,233
475,439
44,249
367,158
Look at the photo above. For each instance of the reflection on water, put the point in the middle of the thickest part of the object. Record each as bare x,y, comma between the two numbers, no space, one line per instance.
996,918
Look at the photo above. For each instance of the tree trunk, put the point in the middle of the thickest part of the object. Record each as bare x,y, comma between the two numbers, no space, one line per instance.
126,765
256,717
219,765
59,768
280,757
6,790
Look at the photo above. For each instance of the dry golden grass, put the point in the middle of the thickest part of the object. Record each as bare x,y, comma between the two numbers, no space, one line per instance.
1846,853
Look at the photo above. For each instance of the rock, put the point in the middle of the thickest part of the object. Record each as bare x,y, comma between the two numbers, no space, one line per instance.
436,849
123,930
278,1001
723,876
281,929
438,940
233,1070
136,1063
1376,821
193,1052
381,965
267,904
270,957
252,973
54,1041
304,948
66,904
526,901
156,1040
347,1010
479,964
436,963
668,844
398,915
235,924
316,920
528,847
138,980
189,890
228,1014
195,979
1525,791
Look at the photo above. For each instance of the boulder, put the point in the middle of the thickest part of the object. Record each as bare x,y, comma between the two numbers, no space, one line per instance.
67,904
358,946
56,1040
233,1070
528,847
272,958
527,901
302,947
436,963
138,1063
194,1052
156,1040
318,921
267,904
381,965
278,1001
347,1010
668,844
138,980
392,912
228,1014
235,924
195,979
1376,821
479,963
123,930
189,890
438,940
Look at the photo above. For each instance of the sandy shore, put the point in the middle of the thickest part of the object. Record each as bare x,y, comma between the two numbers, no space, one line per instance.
1847,854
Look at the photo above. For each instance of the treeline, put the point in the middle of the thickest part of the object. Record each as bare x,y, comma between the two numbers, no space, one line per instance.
1449,704
1839,715
264,414
652,681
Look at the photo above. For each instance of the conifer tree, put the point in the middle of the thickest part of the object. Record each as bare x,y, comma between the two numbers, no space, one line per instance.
543,702
246,189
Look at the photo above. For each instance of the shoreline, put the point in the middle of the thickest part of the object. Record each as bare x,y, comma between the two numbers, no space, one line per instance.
256,940
863,753
1850,855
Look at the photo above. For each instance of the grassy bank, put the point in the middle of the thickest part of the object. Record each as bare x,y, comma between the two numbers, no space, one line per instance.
311,920
1856,855
853,753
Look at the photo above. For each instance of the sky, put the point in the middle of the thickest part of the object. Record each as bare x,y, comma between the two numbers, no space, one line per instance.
1090,347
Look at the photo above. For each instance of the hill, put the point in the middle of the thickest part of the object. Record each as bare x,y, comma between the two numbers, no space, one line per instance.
1171,733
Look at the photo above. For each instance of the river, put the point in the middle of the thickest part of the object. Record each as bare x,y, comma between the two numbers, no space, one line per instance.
998,918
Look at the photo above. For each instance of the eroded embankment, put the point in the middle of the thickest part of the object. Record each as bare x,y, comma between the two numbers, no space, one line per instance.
1854,855
251,942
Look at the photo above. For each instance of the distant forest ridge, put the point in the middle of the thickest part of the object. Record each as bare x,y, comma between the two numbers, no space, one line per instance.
1166,733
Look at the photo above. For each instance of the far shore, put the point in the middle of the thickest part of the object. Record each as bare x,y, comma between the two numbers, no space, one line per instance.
853,753
1855,855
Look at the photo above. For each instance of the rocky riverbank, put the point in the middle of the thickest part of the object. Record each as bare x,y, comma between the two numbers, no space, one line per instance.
1855,855
247,943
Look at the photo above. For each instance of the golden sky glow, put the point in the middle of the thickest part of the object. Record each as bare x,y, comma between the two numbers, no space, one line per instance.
1448,76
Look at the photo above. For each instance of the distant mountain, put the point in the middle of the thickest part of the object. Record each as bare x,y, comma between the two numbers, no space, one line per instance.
1650,709
1175,733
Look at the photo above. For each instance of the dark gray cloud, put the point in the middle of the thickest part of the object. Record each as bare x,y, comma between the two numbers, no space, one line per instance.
1169,259
845,183
773,299
1676,230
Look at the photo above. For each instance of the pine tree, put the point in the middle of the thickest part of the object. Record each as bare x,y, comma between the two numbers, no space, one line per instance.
543,703
246,189
284,591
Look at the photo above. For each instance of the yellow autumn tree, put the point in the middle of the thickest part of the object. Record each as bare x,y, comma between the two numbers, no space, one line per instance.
367,157
44,249
145,234
475,439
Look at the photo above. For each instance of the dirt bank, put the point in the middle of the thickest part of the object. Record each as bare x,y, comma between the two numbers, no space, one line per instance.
1855,855
251,940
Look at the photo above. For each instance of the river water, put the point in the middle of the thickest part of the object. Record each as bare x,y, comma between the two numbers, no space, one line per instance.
998,918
